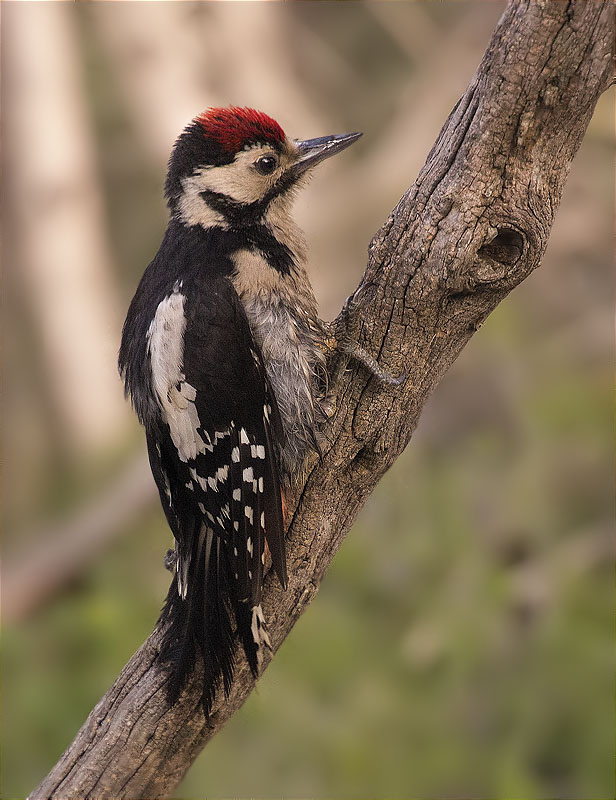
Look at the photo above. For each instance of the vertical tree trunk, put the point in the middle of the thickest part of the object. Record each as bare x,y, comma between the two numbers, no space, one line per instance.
58,208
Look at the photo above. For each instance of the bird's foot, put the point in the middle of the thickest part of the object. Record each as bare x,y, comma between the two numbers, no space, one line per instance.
171,560
346,334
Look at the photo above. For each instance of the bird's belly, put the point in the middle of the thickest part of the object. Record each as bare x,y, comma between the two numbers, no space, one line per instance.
292,362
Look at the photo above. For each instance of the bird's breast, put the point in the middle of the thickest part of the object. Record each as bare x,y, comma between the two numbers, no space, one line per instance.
281,311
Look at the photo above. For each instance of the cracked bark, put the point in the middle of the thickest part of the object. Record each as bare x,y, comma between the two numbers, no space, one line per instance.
473,225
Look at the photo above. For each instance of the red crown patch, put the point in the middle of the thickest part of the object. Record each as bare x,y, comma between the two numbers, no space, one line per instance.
234,127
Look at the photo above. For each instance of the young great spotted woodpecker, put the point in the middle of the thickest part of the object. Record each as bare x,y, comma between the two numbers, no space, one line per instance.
223,356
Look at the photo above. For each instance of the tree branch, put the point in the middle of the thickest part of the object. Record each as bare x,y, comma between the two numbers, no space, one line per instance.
473,225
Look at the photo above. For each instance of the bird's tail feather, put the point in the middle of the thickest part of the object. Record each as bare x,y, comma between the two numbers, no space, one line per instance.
253,634
199,623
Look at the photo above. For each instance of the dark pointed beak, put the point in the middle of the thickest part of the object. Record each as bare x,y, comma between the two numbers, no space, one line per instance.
312,151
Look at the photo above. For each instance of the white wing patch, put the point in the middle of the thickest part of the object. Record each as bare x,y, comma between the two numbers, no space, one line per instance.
176,396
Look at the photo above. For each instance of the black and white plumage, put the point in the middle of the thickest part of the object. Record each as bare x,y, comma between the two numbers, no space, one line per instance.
221,352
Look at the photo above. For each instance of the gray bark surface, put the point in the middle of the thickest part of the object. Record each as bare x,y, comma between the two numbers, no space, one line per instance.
473,225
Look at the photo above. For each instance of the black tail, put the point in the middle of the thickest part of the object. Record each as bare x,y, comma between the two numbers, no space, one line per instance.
199,621
199,612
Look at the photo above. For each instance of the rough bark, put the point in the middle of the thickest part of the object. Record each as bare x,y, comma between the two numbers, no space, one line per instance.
473,225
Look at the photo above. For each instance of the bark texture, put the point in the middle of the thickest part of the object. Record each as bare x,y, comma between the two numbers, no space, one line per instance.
473,225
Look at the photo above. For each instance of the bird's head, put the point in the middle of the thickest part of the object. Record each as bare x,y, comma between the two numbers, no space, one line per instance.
229,164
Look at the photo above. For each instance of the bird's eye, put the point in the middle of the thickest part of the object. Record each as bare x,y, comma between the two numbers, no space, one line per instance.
266,165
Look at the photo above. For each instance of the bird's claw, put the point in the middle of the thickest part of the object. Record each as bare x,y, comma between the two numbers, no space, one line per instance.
346,332
171,560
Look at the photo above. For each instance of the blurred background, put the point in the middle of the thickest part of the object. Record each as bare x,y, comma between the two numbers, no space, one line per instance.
462,642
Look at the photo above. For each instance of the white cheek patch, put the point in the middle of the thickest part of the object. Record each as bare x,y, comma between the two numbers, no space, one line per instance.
194,210
176,397
238,180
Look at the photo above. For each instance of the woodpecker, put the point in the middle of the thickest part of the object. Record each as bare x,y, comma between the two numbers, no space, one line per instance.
223,357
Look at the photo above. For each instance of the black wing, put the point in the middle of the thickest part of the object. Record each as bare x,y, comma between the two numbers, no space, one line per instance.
213,458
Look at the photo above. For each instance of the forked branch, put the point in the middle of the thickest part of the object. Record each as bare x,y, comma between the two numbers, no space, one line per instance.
473,225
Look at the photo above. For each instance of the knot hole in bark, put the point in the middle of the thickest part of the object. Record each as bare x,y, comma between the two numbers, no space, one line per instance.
506,247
